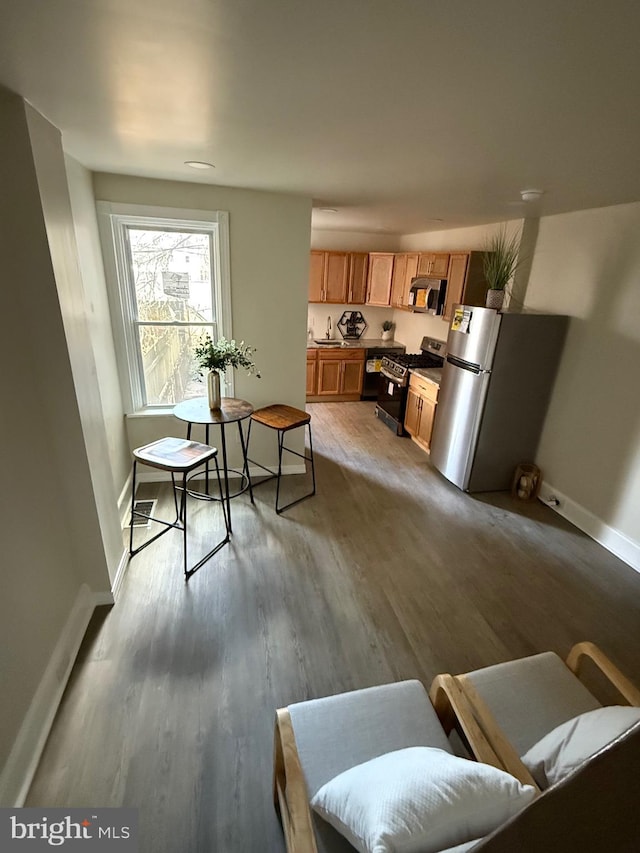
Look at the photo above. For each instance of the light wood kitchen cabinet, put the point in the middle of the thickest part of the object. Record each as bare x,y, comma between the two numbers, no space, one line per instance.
422,399
405,267
312,372
338,277
379,278
433,264
340,374
466,284
358,270
316,276
328,276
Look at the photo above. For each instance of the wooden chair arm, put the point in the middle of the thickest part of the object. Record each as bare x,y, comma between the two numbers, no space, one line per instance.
606,667
509,759
290,794
455,711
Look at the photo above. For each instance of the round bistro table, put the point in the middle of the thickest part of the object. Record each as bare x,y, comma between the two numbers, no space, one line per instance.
231,411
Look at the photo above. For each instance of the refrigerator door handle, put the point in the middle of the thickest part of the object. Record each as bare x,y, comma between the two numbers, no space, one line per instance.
465,365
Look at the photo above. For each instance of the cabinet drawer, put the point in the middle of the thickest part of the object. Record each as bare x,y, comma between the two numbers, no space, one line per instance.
423,387
340,354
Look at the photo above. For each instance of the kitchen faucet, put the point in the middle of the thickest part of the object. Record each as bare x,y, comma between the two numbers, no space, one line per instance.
329,327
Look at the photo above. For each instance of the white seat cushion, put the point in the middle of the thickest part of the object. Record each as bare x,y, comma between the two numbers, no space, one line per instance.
335,733
531,696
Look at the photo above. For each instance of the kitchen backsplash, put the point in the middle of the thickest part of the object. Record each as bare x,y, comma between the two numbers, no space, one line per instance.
318,314
409,328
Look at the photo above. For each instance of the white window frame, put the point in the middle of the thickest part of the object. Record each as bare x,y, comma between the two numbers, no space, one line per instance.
112,220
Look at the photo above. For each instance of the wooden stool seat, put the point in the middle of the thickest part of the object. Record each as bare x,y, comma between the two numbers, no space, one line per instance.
281,417
178,456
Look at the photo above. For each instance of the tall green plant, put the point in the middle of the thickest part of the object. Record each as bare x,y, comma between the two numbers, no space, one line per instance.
501,259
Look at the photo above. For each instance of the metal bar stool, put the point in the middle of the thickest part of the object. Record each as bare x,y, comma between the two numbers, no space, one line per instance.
178,456
282,418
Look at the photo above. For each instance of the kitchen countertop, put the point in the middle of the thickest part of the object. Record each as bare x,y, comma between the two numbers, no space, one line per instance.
432,374
360,343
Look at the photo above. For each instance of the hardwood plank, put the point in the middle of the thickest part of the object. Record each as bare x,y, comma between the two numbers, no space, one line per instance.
389,572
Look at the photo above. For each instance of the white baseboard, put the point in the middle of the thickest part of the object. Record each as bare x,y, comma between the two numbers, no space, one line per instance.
124,501
22,763
613,540
121,571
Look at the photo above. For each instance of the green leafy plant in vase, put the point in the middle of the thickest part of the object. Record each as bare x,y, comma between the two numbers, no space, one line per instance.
501,261
217,357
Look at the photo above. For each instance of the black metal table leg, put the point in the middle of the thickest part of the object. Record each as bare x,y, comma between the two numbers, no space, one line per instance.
245,466
225,469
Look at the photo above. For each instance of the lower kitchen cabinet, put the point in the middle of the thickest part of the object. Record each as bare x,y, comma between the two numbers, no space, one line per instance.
339,375
422,399
312,372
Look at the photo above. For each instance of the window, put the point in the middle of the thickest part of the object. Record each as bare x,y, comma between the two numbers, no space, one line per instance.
172,287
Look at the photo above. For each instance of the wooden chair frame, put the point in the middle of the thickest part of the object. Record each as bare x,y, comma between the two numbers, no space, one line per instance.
495,736
291,798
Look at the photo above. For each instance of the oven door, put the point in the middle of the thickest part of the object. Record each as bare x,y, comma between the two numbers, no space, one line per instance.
392,397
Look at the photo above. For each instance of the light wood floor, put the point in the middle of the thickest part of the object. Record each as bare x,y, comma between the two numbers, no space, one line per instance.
388,573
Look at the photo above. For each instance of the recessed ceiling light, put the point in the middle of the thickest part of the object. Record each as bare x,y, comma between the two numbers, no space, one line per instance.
328,209
199,164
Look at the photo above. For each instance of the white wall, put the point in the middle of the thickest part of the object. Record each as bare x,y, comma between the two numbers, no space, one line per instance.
354,241
460,239
113,471
587,265
52,550
269,248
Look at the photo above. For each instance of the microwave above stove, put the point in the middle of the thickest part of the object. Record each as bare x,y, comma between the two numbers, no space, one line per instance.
427,295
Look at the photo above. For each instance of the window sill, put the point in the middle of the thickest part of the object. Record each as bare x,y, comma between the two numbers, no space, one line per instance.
151,412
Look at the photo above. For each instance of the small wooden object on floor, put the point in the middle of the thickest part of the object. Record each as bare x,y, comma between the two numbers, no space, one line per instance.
178,456
283,418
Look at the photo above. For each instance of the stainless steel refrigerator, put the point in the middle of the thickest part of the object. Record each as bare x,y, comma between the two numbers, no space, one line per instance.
495,390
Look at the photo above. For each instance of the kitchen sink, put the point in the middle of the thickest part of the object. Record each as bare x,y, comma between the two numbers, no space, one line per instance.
330,343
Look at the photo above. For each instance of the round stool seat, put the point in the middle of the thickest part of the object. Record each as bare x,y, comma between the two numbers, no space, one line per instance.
281,417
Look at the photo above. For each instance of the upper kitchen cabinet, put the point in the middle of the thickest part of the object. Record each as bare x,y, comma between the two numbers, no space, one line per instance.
433,264
466,282
328,276
358,270
379,278
405,268
338,277
316,277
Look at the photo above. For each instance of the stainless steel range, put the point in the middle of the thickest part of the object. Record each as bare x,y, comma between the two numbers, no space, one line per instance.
394,380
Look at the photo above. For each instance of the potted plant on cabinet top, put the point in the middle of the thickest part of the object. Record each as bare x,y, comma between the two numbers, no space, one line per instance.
387,330
216,357
501,261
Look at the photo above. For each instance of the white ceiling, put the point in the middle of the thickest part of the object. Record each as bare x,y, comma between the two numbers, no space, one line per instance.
406,115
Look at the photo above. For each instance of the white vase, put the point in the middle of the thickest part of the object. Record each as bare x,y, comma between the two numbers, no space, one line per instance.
213,389
387,334
495,299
